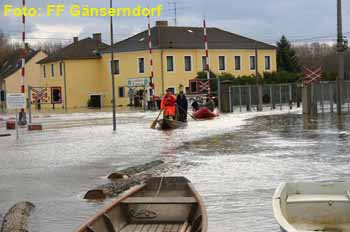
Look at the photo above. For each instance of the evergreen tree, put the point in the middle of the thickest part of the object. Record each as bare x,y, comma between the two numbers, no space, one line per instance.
286,56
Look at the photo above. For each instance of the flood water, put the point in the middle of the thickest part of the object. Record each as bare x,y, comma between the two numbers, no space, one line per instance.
235,162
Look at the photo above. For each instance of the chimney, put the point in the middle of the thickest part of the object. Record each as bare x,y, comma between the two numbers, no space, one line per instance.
75,39
97,37
162,23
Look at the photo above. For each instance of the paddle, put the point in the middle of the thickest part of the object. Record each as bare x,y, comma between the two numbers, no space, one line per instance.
154,123
187,112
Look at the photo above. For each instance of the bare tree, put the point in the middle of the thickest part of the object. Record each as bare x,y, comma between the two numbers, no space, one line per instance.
49,47
321,54
7,48
4,47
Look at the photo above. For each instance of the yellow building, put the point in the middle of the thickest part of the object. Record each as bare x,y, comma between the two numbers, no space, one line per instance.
82,70
75,73
11,75
178,55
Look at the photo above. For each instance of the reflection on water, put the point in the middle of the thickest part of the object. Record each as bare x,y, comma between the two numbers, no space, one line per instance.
235,162
238,172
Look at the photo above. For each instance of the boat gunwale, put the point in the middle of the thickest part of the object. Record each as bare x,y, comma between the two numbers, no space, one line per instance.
201,205
138,188
178,124
110,206
277,209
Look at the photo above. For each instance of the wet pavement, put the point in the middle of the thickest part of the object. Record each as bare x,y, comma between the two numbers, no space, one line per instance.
235,162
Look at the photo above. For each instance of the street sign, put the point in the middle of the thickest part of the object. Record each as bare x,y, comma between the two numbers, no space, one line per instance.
312,76
40,95
15,101
203,86
199,86
138,82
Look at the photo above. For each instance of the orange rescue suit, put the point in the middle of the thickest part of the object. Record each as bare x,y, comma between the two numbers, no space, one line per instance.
168,105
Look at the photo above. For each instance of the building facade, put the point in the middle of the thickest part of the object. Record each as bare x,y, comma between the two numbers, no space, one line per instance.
10,73
178,55
82,70
76,73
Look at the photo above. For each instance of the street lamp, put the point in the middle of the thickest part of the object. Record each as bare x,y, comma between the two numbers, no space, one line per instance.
112,72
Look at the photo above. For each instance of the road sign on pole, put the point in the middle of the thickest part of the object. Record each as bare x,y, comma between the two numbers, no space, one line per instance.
312,75
15,101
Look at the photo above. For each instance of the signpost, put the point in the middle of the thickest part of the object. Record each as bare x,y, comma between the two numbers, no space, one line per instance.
142,82
38,96
199,86
16,101
138,82
312,75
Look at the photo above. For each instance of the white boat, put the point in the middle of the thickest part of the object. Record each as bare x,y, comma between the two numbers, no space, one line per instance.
306,207
162,204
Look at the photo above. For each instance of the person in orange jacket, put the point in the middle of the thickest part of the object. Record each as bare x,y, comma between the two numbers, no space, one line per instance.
168,104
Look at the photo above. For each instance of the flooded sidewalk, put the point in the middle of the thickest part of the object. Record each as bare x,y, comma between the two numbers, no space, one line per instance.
234,161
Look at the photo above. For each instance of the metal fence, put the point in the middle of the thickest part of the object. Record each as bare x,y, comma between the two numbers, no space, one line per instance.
282,96
324,97
274,96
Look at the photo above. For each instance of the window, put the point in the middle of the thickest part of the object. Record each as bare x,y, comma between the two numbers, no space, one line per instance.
222,65
52,70
141,65
44,70
252,62
170,63
188,63
267,62
121,92
61,68
238,63
115,67
204,63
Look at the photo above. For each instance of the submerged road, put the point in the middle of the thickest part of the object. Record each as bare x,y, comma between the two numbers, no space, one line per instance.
235,162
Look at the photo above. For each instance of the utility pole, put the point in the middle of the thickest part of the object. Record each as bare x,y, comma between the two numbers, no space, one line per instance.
175,11
151,82
340,48
258,85
22,114
65,86
112,72
207,67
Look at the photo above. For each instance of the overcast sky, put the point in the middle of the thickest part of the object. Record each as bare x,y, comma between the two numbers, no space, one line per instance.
264,20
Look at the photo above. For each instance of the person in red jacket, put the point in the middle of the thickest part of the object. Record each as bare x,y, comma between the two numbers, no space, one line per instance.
168,104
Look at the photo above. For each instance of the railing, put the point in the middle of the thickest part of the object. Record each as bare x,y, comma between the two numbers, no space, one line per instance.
240,98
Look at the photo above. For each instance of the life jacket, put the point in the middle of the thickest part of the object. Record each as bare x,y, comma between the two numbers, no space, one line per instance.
169,100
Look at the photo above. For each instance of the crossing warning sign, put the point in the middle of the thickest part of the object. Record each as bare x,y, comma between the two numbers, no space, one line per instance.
312,76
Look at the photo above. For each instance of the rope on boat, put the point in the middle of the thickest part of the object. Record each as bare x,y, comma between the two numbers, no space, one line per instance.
160,186
147,213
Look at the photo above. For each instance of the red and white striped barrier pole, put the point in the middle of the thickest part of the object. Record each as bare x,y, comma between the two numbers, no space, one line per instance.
207,69
151,83
22,117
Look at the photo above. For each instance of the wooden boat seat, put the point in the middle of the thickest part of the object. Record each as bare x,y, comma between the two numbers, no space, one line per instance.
152,228
317,198
160,200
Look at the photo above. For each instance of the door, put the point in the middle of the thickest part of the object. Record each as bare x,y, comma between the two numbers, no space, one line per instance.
95,101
